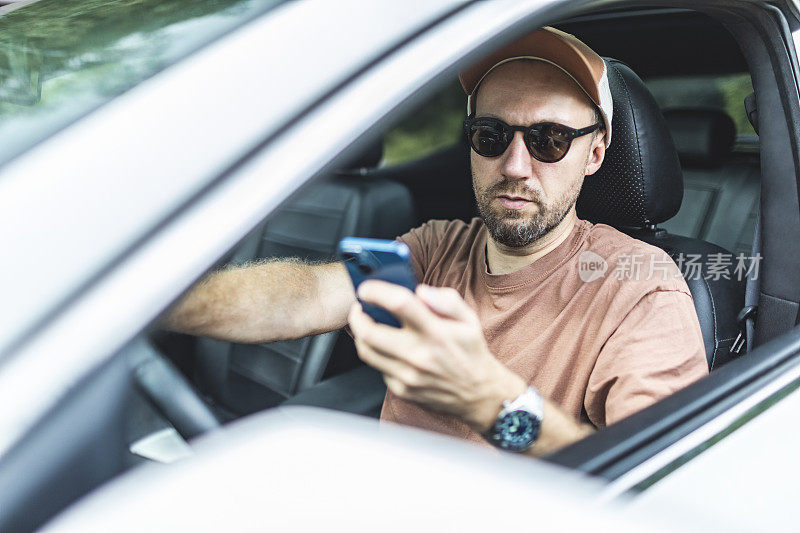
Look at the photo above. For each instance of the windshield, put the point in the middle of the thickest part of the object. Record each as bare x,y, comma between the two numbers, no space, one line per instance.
61,59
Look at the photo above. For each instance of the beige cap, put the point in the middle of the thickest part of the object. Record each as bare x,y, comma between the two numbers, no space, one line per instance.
560,49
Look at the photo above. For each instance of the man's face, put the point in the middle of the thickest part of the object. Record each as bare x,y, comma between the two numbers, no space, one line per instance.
520,198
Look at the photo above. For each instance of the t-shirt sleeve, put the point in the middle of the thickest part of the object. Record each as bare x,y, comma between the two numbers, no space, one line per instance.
421,242
656,350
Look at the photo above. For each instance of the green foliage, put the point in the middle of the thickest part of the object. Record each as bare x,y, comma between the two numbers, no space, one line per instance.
433,126
438,122
69,26
735,88
61,58
53,38
717,92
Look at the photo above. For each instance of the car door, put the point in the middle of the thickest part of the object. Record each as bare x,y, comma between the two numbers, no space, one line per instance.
639,452
51,361
139,195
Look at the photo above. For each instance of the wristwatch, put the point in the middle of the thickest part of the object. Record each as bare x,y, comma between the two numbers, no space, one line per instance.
518,424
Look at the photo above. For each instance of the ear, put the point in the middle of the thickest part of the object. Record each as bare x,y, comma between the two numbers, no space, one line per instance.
597,154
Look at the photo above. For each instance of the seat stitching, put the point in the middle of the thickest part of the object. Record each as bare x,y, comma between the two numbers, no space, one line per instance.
714,316
643,210
728,339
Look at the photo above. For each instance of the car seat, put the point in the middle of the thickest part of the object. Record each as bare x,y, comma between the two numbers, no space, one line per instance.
721,188
639,186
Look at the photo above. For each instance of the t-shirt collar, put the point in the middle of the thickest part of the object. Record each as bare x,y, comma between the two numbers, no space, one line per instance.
539,269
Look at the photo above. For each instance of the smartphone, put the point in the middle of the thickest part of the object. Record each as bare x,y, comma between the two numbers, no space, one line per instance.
377,259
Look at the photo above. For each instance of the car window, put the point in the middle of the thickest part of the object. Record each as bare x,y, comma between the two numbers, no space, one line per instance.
434,125
59,60
437,123
725,93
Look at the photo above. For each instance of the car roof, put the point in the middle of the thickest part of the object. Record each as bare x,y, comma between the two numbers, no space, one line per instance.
669,41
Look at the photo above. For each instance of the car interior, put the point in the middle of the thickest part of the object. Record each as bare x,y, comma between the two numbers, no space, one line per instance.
684,173
689,185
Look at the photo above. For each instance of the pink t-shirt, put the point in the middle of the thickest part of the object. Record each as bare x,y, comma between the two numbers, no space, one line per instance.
602,343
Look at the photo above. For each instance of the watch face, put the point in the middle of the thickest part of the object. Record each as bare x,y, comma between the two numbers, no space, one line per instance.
517,430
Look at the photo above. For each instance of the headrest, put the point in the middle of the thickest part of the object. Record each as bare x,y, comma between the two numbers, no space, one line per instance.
640,181
703,137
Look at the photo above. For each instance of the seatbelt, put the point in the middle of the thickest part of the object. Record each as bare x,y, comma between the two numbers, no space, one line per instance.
746,319
747,316
751,289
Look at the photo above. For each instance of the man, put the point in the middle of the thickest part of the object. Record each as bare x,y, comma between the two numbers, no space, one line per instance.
518,346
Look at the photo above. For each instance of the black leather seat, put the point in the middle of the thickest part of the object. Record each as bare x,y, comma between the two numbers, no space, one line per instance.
245,377
639,186
721,188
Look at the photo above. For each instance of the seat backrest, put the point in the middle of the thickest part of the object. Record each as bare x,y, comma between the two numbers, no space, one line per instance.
246,377
639,186
721,189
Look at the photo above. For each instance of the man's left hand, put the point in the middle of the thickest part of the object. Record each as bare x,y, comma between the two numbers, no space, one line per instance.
439,357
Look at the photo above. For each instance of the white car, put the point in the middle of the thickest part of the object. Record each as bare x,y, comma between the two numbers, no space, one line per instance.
144,143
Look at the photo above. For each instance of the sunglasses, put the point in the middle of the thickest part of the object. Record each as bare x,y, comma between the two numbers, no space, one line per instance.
547,142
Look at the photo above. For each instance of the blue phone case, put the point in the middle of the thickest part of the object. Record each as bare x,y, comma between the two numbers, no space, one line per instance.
377,259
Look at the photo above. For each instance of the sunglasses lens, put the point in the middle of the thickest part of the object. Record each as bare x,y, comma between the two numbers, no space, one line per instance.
549,143
488,140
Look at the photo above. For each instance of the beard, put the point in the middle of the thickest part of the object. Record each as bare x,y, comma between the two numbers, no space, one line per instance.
515,228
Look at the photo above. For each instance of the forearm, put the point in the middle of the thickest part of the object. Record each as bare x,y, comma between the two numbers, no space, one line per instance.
265,302
558,428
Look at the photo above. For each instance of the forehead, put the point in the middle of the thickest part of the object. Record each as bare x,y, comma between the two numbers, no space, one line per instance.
530,91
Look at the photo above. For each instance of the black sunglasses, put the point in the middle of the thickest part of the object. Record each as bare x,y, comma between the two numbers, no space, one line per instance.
547,142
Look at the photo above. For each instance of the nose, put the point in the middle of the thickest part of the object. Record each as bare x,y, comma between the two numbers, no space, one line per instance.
517,159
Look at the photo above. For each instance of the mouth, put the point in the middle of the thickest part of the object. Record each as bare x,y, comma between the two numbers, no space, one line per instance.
513,202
